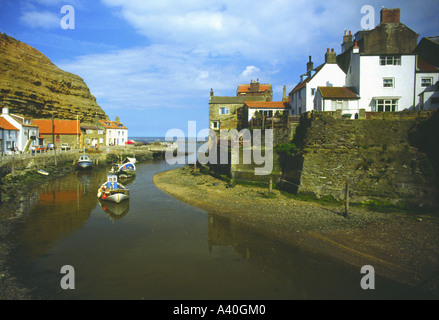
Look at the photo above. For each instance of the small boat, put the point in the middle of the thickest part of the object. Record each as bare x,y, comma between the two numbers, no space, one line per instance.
43,172
112,190
127,167
84,162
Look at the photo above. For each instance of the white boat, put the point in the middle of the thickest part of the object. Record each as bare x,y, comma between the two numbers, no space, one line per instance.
112,190
84,162
127,167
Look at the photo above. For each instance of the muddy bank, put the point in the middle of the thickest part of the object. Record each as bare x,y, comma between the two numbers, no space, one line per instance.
401,247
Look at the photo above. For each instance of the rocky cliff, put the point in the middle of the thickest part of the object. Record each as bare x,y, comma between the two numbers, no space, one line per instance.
31,85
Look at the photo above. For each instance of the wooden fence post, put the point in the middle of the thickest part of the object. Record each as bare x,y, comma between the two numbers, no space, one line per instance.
346,200
270,185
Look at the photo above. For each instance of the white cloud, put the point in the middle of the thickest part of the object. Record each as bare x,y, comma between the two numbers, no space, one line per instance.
37,19
250,71
252,28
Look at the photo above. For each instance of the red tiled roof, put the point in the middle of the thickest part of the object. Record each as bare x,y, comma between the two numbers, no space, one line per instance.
337,92
112,124
60,126
6,125
246,88
267,104
423,65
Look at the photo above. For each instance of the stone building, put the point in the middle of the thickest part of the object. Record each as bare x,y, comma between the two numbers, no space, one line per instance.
59,131
255,89
92,136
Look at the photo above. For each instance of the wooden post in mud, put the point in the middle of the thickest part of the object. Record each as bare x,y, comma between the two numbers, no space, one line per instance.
270,185
13,165
346,200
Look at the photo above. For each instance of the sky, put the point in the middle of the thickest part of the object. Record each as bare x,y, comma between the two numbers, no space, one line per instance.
153,63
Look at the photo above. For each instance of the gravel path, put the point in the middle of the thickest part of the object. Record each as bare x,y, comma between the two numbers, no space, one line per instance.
401,247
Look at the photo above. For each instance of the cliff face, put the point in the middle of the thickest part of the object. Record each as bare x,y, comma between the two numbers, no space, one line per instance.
31,85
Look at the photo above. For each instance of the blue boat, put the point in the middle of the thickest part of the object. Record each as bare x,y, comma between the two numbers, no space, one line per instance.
127,167
84,162
112,190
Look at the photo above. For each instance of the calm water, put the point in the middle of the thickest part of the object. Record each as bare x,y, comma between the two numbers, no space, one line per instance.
155,247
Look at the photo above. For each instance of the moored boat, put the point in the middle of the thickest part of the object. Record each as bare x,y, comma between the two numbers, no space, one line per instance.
84,162
127,167
112,190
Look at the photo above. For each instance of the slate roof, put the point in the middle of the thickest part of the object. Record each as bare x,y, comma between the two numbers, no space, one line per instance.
337,93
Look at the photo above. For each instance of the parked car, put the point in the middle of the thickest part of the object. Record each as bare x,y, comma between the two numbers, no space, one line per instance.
40,149
65,146
50,146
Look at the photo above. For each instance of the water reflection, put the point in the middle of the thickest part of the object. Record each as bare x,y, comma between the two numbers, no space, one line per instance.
116,211
62,207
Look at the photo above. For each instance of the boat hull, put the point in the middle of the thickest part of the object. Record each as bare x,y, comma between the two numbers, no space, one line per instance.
116,197
84,165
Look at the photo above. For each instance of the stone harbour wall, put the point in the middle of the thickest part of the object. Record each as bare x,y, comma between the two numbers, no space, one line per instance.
374,156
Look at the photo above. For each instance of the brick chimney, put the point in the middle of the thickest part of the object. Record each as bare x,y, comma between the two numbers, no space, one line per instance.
254,86
390,15
330,57
309,65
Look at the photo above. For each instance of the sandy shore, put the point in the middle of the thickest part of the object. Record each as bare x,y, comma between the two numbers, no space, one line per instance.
401,247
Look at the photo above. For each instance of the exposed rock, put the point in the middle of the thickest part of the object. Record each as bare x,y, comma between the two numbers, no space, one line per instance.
31,85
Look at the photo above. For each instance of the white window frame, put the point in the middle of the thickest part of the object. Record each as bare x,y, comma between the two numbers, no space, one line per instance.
225,109
425,84
390,60
388,82
215,125
389,104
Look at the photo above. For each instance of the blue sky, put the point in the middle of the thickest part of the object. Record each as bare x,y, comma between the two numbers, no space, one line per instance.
153,63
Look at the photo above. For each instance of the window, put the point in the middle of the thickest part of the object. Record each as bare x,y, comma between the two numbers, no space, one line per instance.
87,141
390,60
88,131
101,140
388,83
100,131
426,82
313,91
215,125
387,105
224,110
339,105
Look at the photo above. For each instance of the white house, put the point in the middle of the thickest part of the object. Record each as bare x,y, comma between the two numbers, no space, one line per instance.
427,73
265,108
26,132
8,136
329,74
116,134
381,65
337,98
